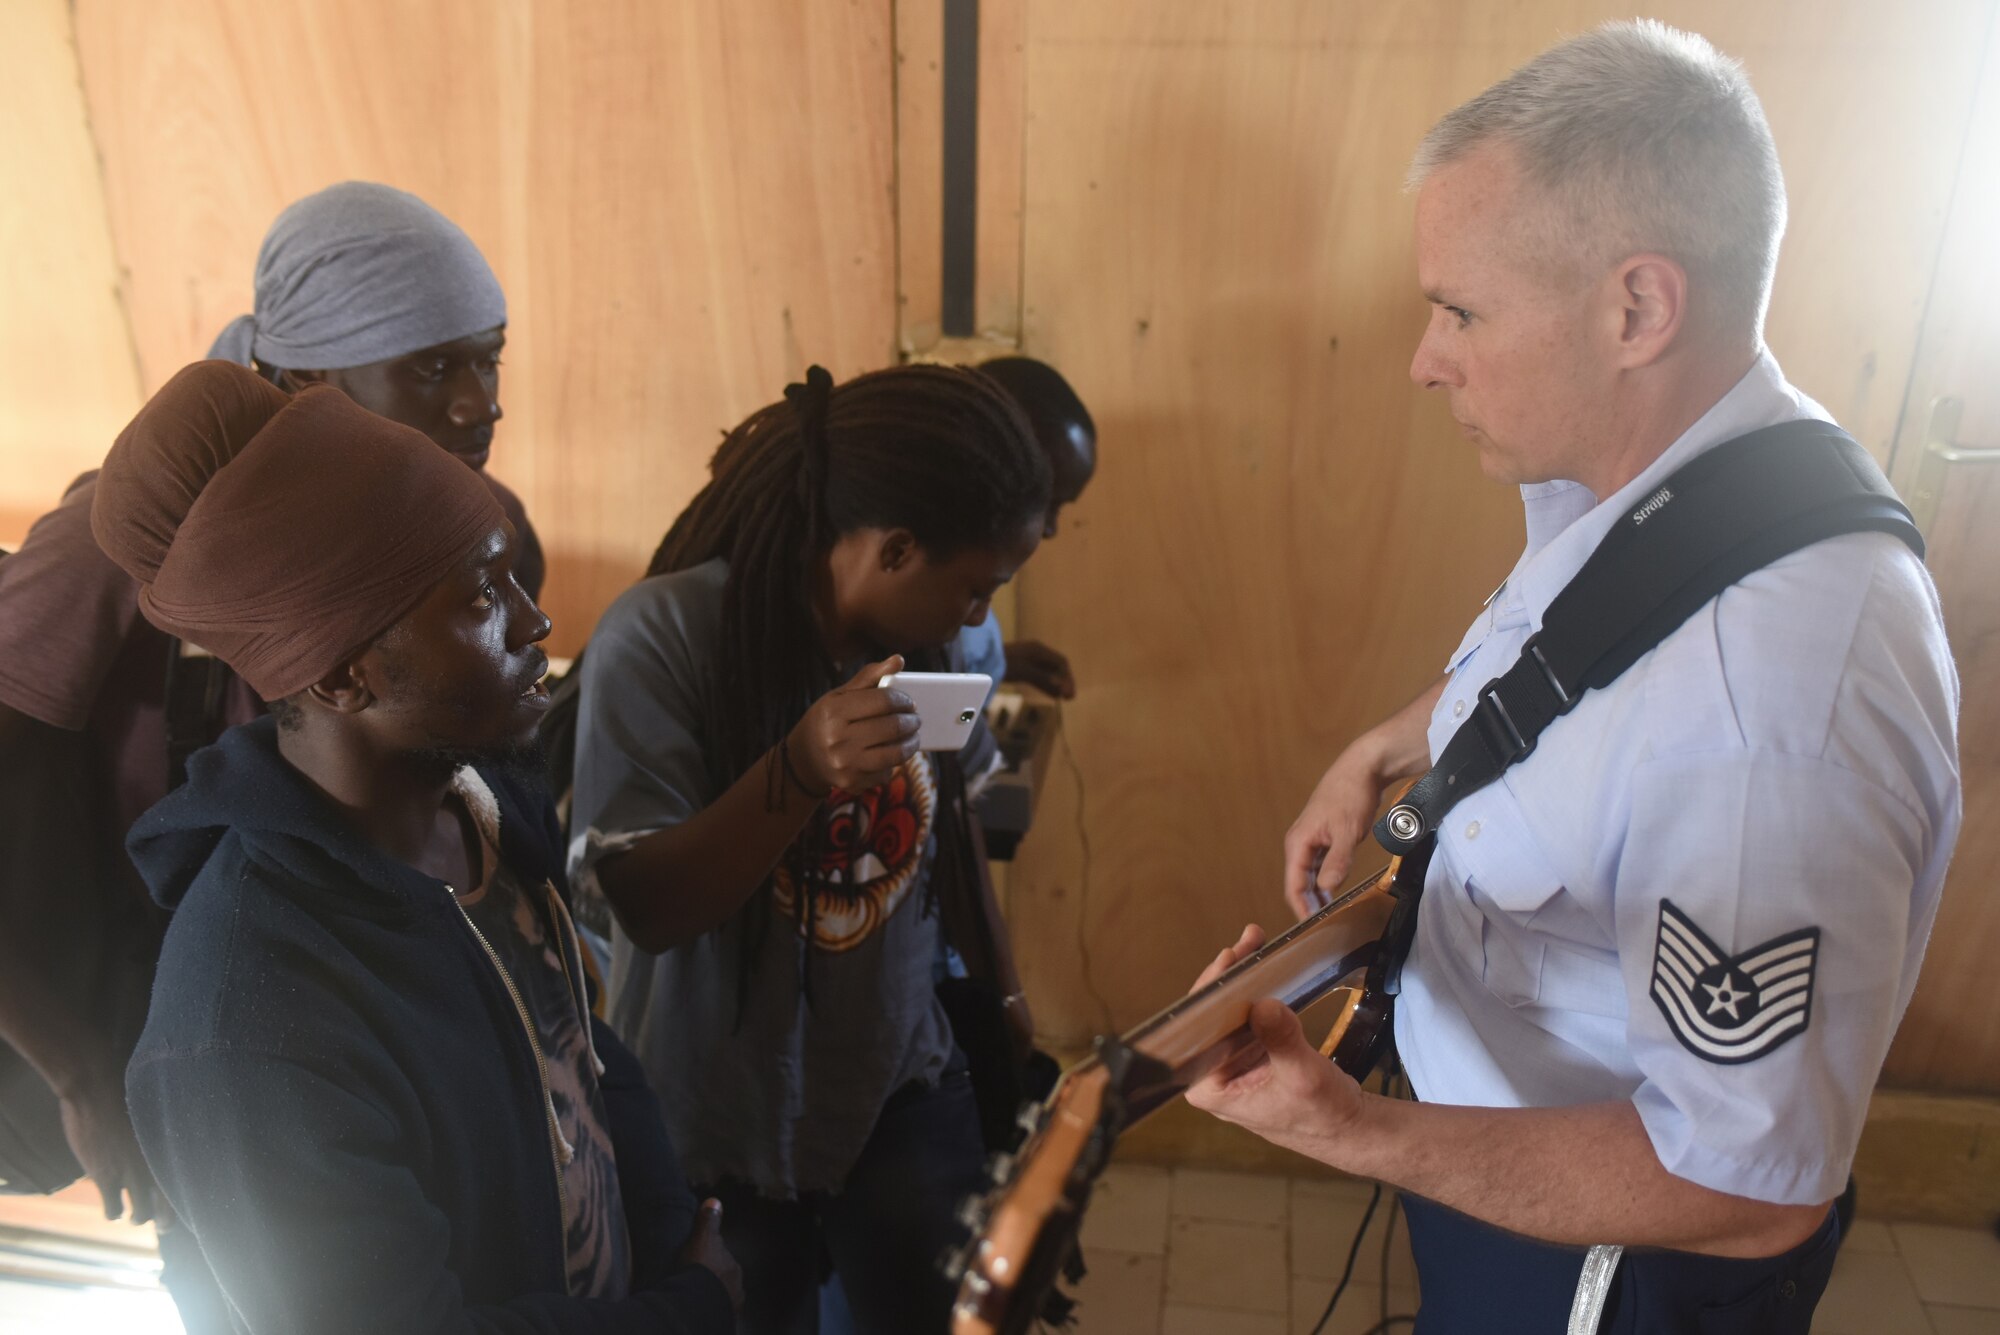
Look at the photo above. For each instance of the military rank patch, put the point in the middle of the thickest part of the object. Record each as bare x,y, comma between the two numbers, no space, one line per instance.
1732,1008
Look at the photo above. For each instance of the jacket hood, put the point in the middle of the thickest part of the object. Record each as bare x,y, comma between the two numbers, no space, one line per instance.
242,788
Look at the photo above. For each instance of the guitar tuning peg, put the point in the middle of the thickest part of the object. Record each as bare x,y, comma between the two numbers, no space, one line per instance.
1000,1166
1029,1117
972,1213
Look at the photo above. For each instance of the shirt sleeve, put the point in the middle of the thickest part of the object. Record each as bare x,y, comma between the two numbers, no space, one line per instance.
65,610
981,649
640,761
1765,912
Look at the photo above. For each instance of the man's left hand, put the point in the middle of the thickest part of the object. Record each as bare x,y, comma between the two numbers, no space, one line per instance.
1284,1091
1033,663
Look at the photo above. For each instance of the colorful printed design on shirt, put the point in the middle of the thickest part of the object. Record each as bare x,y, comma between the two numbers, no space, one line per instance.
863,853
1730,1009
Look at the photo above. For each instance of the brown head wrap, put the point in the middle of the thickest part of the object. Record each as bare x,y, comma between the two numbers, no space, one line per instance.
281,532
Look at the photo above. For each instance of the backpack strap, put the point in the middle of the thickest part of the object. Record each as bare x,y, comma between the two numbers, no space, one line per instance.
1734,510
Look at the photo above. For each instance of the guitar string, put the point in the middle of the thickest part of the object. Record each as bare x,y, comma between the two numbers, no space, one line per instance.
1104,1009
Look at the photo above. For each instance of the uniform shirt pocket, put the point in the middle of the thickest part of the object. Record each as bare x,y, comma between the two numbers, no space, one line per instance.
1509,880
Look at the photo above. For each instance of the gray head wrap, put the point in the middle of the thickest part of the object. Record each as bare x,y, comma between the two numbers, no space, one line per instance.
360,273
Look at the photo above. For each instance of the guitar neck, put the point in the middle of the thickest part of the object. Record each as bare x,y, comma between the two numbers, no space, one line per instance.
1157,1061
1028,1225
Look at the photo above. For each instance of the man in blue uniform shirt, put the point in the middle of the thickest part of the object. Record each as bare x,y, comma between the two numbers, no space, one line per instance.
1659,963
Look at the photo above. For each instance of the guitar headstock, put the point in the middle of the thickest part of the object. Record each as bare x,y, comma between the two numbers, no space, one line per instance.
1024,1230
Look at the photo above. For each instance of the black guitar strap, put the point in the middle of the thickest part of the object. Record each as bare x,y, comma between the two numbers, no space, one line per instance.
1732,511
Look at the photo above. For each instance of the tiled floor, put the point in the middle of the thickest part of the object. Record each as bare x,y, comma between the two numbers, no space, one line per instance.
1181,1252
1187,1252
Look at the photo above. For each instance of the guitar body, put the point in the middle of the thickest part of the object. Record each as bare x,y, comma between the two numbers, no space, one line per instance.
1350,952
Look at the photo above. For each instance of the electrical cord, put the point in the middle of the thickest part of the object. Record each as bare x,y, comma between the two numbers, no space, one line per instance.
1354,1251
1083,871
1388,1244
1394,1085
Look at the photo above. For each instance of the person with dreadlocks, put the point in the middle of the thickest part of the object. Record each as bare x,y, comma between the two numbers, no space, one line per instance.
1067,435
779,854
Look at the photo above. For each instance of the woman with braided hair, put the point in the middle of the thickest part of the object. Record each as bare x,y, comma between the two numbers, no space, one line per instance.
779,855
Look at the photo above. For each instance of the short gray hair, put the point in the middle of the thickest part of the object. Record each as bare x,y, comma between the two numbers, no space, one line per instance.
1643,138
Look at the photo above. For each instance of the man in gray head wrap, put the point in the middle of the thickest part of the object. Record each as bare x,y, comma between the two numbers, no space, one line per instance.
373,291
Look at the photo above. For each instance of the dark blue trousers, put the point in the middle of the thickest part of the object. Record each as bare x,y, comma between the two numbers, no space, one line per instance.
885,1230
1480,1280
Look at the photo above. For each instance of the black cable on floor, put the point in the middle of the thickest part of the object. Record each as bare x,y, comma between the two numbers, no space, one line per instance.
1391,1076
1353,1252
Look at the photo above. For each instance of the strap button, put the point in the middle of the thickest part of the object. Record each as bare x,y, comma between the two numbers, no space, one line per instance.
1406,823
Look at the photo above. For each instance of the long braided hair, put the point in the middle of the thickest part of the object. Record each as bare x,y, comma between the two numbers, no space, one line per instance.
940,451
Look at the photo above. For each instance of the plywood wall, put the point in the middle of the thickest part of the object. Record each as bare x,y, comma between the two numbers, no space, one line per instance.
67,377
686,205
1286,537
1951,1036
1193,208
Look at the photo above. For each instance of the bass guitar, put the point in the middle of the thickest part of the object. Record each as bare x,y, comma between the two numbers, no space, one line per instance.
1024,1231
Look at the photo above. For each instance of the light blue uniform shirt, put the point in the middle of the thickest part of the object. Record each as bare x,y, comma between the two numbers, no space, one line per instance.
1709,888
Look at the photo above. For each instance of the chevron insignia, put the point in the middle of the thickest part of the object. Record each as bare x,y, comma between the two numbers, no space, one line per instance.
1727,1008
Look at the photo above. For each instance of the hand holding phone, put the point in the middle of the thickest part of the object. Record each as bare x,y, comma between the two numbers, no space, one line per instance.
855,736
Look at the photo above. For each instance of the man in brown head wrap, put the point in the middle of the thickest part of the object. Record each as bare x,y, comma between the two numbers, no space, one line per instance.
358,286
370,1083
282,532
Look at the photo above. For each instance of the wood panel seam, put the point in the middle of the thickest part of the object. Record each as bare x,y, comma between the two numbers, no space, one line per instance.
121,289
903,352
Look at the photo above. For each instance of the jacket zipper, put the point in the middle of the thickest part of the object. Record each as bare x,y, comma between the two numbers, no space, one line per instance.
541,1071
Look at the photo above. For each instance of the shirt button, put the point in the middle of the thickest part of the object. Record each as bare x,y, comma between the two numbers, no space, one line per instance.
1458,708
1472,830
1788,1290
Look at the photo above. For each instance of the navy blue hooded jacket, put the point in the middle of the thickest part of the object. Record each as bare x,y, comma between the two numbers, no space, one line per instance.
336,1092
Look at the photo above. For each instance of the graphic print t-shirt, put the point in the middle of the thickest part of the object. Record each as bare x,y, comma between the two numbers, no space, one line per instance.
520,923
781,1090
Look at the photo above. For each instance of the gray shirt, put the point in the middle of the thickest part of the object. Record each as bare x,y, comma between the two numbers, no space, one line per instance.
782,1093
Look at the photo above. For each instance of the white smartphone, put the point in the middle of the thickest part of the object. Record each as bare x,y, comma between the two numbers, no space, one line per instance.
948,704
